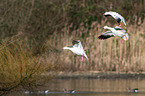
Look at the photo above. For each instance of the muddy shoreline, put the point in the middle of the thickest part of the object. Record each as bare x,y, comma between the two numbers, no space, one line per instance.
100,75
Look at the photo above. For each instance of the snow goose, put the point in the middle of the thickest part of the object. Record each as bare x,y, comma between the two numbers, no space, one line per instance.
77,48
69,91
135,90
45,91
117,31
116,16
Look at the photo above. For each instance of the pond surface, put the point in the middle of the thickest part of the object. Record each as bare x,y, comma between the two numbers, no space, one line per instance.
89,87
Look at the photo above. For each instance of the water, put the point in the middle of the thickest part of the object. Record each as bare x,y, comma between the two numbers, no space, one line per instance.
90,87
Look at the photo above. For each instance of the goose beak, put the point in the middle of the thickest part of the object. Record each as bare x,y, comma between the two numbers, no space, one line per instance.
120,24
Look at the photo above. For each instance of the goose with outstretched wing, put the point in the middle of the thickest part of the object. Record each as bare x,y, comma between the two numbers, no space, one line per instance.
117,31
77,48
116,16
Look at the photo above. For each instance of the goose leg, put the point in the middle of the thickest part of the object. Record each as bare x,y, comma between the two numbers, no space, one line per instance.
82,57
122,41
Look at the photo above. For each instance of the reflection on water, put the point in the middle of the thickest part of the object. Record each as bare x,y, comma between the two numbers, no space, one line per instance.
91,87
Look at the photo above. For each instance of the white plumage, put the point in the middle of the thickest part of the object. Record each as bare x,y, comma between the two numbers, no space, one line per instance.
117,31
77,48
116,16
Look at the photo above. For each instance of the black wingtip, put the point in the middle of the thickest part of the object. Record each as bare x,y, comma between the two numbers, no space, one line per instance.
99,37
74,42
102,37
107,15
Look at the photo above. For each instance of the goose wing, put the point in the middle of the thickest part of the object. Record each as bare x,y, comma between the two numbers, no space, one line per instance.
106,35
80,44
119,28
74,42
116,16
77,44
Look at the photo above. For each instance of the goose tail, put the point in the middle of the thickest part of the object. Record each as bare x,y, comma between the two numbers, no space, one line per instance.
86,55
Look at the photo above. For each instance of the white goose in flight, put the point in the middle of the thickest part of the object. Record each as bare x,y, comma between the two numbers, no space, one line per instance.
77,48
116,16
117,31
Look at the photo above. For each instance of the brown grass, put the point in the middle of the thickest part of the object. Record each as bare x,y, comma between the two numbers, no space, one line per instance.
19,67
104,55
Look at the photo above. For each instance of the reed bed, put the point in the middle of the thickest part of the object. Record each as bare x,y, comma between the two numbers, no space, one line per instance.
104,55
19,68
53,24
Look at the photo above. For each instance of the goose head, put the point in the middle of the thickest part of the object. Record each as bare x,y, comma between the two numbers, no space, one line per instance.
106,27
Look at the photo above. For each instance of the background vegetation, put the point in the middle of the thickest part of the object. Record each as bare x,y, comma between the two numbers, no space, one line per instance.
33,33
